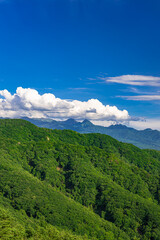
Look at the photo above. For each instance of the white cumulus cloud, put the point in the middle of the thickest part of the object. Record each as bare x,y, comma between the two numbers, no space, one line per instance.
136,80
28,102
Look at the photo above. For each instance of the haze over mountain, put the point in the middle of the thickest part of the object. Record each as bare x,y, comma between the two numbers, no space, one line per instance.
147,138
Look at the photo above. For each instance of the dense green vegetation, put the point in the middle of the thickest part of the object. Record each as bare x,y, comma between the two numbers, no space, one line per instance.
17,225
64,185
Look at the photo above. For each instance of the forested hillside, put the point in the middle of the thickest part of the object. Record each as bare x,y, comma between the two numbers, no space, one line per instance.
58,184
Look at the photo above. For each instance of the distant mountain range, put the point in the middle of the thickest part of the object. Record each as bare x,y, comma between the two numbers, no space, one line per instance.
147,138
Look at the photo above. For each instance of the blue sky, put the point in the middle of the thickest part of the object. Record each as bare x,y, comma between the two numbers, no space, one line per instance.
80,50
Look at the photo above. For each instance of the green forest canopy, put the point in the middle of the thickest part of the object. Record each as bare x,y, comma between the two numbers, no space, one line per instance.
64,185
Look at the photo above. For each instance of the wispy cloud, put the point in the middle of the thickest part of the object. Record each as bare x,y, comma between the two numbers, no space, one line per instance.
92,79
142,97
78,89
141,92
28,102
135,80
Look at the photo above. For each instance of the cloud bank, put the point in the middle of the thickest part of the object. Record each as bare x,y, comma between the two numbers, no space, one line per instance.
136,80
28,102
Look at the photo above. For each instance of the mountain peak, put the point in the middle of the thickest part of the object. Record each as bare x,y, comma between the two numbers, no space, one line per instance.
148,129
70,121
86,123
